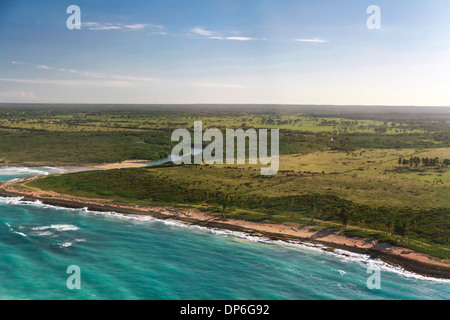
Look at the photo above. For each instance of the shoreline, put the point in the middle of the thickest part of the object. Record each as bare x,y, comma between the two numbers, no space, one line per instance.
70,168
407,259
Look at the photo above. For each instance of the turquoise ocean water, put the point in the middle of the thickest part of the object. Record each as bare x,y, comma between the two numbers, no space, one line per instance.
126,257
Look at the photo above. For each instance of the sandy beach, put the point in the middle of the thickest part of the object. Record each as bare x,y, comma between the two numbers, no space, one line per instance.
123,165
409,260
108,166
88,167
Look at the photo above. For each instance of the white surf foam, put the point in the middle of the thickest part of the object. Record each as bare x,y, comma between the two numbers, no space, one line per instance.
12,230
29,171
57,227
44,233
343,255
363,260
21,234
68,244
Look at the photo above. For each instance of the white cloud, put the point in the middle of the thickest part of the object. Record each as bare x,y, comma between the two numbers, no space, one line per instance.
83,73
89,74
137,26
314,40
240,38
221,85
107,26
131,78
100,26
202,32
199,31
19,95
81,83
43,66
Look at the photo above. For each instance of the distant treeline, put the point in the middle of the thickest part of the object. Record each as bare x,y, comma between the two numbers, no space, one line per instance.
63,134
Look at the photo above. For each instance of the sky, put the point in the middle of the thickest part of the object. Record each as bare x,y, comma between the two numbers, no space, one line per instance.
226,51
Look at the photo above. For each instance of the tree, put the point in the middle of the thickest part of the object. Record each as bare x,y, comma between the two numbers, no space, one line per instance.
345,214
401,227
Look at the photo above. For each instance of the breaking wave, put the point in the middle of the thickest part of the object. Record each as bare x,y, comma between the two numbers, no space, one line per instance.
343,255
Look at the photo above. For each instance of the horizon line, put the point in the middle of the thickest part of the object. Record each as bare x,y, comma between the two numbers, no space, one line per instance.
222,104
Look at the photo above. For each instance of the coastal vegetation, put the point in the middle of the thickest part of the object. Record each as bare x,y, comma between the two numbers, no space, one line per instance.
377,173
407,209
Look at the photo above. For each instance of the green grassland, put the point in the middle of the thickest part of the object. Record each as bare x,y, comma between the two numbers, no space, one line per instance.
65,134
339,166
81,148
324,189
126,118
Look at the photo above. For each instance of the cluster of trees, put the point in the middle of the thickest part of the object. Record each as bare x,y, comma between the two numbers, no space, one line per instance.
427,162
381,129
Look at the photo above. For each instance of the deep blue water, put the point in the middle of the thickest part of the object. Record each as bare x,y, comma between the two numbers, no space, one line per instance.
126,257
